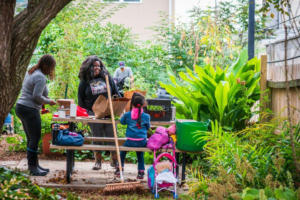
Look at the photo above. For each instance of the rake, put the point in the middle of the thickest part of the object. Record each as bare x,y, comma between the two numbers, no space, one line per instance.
118,187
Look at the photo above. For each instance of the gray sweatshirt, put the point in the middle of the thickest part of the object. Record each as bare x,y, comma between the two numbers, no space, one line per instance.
34,90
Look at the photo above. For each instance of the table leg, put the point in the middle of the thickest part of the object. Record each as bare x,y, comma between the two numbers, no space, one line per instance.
177,160
73,160
70,164
183,169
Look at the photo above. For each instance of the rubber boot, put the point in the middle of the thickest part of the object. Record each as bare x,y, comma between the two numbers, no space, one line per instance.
33,165
114,159
98,160
41,168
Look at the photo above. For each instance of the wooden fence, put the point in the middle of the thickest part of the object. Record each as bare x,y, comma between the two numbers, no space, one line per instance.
273,77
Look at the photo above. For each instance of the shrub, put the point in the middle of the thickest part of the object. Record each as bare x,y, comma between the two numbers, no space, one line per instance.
219,94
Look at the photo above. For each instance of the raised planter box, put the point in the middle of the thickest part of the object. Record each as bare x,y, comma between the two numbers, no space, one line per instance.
165,114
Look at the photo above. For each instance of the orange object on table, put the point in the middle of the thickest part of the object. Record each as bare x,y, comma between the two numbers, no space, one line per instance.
128,95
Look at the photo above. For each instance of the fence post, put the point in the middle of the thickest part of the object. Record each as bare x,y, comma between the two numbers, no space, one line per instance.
264,94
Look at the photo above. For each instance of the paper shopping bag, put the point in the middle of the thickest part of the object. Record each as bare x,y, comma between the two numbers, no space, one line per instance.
101,106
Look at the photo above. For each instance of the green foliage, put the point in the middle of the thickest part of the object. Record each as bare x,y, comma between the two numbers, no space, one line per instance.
254,159
154,108
268,193
17,143
196,43
219,94
15,185
132,158
283,6
83,155
46,123
74,34
17,123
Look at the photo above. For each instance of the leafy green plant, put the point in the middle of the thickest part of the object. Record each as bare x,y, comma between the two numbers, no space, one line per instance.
83,155
155,108
219,94
17,142
254,157
73,35
281,193
16,185
17,123
46,120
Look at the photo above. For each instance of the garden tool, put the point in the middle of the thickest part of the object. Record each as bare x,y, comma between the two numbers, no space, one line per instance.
118,187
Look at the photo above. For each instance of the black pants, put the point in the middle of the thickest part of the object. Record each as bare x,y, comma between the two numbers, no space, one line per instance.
31,121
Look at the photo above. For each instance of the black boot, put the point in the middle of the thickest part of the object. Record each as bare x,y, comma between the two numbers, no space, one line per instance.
43,169
33,165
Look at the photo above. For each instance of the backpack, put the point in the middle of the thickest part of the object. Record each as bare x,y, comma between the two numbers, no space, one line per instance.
158,139
66,138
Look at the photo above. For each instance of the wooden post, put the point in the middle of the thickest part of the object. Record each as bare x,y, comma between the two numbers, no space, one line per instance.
263,85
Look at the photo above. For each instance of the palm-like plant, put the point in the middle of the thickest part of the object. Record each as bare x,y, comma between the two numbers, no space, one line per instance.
219,94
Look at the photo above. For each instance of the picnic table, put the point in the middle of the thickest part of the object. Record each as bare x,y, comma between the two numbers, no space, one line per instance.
70,162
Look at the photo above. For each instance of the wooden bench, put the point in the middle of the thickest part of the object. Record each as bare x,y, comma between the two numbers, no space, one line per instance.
70,161
70,149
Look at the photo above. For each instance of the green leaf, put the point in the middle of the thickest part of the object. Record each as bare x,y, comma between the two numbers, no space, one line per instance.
221,95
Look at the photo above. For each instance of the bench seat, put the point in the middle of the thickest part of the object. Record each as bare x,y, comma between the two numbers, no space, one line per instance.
96,147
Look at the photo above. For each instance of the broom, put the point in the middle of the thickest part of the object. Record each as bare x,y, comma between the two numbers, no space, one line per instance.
118,187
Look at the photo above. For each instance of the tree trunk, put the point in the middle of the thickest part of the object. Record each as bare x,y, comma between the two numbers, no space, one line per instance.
19,36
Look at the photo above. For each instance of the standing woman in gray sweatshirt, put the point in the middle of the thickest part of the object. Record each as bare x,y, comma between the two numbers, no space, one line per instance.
34,95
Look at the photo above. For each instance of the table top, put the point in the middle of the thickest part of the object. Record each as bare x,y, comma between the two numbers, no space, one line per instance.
92,119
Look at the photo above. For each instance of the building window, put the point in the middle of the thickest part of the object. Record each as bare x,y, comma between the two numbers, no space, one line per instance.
122,1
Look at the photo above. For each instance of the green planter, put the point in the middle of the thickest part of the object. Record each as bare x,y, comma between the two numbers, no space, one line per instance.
185,131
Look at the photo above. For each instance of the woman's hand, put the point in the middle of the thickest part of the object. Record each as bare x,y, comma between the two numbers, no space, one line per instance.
52,102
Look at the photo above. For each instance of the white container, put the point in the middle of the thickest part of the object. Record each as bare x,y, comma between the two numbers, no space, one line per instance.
173,118
73,109
62,114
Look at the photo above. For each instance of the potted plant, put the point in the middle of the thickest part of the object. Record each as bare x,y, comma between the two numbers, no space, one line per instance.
156,111
46,132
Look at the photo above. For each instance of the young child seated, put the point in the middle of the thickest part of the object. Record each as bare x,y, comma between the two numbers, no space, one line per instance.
138,124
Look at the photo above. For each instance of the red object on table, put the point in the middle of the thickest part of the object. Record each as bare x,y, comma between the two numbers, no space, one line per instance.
81,112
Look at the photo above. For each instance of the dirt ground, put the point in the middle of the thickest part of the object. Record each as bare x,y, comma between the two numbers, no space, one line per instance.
82,176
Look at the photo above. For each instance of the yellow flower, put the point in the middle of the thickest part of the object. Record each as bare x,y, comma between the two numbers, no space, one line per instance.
190,52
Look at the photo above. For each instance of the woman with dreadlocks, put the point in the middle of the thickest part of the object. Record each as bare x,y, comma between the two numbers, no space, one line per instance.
92,84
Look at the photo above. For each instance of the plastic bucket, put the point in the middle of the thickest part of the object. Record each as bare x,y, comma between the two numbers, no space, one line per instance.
185,132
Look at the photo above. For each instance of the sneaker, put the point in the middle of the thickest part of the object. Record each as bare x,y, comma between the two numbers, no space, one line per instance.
141,174
117,172
97,166
114,164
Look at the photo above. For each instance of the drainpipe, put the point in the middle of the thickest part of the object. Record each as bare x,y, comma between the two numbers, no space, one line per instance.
251,29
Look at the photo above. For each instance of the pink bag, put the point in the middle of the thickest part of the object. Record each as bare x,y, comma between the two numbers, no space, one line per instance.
172,129
158,139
